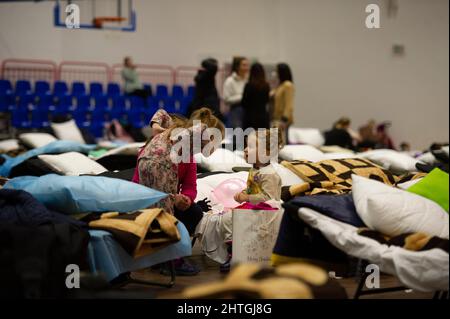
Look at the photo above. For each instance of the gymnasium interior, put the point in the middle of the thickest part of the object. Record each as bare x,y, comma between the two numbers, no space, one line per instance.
351,203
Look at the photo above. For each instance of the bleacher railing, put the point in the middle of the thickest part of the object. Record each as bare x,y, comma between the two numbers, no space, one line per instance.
77,71
148,73
31,70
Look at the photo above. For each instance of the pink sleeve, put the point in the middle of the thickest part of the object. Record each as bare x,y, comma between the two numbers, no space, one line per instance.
136,169
188,185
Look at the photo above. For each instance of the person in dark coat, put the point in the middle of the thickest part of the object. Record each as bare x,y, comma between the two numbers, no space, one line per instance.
339,134
205,89
255,99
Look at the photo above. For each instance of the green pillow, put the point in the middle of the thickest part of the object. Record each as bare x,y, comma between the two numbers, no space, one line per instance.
434,187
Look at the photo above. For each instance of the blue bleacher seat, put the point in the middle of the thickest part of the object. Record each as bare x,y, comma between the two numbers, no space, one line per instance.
19,118
136,117
190,92
23,87
162,91
101,102
177,92
78,88
97,122
137,102
26,100
5,87
41,88
80,117
113,90
116,114
39,118
119,102
147,87
45,102
83,103
168,104
64,105
95,89
60,88
6,102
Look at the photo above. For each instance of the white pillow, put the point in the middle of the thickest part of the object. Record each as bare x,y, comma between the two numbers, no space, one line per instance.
36,140
427,158
288,178
301,152
221,160
391,160
446,150
339,155
128,149
393,211
9,145
408,184
335,149
72,163
68,131
311,136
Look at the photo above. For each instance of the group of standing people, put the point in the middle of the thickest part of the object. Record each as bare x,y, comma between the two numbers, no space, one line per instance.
247,95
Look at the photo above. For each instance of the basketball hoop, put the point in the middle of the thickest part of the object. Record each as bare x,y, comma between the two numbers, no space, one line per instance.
98,21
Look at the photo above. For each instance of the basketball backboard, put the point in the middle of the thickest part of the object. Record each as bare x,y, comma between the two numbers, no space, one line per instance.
95,14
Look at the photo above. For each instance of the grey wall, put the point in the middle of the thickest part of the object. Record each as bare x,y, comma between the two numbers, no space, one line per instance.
340,67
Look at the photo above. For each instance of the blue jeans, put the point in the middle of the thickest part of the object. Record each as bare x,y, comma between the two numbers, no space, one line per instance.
235,117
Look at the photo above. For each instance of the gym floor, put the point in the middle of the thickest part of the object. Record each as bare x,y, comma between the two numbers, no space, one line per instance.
210,272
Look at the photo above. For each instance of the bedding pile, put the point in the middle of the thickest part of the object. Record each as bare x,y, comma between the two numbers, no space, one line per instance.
404,231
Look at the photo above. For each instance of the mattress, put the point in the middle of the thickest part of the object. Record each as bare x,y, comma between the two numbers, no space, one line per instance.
420,270
106,256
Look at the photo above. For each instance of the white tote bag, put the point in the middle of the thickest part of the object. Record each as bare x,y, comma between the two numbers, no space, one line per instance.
254,235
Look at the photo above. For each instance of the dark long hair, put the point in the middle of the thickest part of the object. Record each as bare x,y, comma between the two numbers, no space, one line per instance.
236,63
284,73
258,76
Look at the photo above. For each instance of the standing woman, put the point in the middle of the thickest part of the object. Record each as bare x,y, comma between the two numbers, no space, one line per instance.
283,99
205,88
256,98
233,90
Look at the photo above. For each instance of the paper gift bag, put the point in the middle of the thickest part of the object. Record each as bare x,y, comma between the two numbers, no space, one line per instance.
254,234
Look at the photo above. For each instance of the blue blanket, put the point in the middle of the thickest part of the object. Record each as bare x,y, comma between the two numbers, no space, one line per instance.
108,257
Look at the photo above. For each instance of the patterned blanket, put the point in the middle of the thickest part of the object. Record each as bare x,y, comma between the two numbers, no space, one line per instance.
335,176
139,233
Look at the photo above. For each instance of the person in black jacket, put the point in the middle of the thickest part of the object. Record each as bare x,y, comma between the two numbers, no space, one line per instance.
256,98
205,89
339,134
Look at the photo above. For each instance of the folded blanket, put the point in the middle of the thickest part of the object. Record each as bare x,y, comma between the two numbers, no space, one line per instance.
334,176
339,207
410,241
139,233
293,281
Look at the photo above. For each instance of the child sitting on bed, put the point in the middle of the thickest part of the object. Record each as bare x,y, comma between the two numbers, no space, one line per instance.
263,182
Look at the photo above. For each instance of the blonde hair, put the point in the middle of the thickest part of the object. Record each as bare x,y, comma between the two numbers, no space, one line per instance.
274,140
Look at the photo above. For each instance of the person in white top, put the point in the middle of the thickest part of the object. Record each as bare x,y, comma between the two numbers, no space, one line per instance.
233,90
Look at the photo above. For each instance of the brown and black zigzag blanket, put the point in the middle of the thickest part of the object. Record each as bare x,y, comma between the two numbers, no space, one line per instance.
139,233
410,241
335,176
